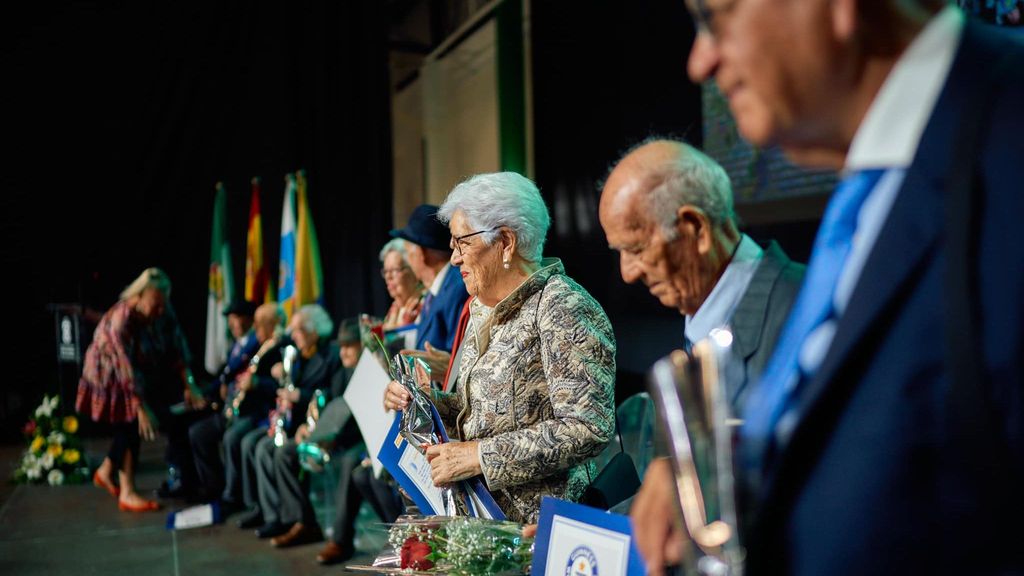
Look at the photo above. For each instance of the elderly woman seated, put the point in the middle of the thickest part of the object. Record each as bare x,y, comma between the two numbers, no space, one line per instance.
534,397
406,292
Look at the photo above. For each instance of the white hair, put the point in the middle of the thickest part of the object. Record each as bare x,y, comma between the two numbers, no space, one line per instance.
316,320
394,245
150,278
502,199
693,178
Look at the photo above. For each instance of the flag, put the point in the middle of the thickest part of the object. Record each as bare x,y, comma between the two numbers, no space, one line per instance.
286,267
218,338
257,276
309,281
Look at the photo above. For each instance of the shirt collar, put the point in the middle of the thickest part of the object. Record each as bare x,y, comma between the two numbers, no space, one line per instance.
891,131
511,304
717,309
435,286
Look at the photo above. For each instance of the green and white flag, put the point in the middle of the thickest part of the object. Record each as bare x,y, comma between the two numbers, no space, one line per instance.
218,337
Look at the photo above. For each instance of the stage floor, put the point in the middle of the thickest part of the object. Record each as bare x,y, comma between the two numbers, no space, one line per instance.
78,530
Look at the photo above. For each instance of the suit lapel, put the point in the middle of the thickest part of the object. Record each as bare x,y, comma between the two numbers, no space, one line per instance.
749,317
747,322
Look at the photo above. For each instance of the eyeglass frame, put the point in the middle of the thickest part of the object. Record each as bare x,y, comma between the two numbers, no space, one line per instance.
396,271
456,240
704,17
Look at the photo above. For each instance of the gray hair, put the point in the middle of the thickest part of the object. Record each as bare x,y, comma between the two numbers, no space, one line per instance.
690,177
316,319
502,199
150,278
394,245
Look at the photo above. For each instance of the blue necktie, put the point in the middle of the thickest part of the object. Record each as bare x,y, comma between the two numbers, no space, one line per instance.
781,382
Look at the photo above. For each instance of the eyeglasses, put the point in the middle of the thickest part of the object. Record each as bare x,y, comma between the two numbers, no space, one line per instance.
457,243
385,272
709,18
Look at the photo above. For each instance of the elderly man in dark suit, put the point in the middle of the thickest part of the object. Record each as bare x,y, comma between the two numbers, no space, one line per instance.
887,434
667,209
428,253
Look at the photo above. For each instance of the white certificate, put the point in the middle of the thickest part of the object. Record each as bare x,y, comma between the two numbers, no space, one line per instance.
365,396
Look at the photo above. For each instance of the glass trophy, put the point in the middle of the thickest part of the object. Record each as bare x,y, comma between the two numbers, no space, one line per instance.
690,393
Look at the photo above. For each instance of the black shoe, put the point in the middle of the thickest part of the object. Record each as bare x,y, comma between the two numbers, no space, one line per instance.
251,519
229,507
272,529
180,491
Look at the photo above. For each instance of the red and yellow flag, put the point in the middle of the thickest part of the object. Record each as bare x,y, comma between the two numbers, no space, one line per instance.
257,275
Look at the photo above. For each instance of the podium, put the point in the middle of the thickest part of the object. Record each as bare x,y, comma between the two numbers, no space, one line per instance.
68,352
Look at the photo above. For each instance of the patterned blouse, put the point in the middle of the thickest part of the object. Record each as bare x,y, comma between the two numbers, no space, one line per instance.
129,359
536,388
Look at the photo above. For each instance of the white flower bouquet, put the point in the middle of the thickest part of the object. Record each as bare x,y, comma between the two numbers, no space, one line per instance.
54,453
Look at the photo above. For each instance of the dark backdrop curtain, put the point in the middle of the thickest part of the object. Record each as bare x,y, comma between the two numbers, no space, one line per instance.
122,117
606,75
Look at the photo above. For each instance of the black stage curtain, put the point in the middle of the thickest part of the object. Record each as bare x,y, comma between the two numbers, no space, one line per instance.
124,115
607,74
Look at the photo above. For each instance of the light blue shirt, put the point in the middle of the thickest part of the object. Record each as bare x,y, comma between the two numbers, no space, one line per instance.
718,308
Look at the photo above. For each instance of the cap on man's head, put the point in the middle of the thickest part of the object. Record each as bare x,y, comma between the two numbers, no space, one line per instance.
348,332
425,229
241,307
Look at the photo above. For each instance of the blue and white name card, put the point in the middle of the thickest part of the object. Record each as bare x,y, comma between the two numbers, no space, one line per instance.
195,516
578,540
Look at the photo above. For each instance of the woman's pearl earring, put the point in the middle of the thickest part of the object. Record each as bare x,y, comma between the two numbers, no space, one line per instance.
506,265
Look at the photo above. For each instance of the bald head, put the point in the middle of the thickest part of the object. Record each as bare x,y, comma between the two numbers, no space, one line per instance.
667,209
266,320
653,180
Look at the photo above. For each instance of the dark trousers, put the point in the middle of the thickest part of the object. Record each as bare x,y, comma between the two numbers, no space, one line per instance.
217,478
266,480
379,492
347,498
126,439
179,449
292,487
250,482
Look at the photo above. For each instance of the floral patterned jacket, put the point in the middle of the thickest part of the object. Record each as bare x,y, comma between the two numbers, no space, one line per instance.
536,388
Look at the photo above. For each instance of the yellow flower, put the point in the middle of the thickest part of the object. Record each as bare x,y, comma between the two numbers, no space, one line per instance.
70,424
55,450
37,443
71,455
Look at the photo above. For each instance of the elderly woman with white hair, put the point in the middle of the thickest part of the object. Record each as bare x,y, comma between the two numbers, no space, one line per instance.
406,293
405,289
535,387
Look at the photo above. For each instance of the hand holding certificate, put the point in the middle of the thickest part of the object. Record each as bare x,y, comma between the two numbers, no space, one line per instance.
453,461
442,477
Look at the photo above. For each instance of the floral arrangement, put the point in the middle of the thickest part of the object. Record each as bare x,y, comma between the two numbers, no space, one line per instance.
54,453
461,545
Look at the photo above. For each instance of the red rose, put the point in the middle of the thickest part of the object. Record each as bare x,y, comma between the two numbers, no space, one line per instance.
30,428
414,555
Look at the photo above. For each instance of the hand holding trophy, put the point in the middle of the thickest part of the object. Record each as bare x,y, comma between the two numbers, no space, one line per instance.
282,414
